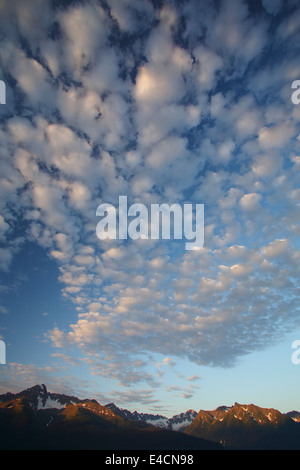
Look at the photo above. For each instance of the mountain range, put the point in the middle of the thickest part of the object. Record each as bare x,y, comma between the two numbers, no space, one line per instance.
176,423
38,419
248,427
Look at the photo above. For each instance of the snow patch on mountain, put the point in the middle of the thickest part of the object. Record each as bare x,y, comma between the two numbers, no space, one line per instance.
176,423
49,403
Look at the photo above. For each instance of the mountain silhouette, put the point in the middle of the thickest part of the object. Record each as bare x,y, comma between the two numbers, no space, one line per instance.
37,419
247,427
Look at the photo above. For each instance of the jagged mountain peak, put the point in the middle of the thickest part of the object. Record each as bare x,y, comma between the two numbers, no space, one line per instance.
223,408
38,397
36,388
177,423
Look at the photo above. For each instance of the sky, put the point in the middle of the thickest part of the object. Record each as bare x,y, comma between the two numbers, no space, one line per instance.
163,102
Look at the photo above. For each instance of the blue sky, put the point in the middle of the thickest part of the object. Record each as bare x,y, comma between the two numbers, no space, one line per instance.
163,102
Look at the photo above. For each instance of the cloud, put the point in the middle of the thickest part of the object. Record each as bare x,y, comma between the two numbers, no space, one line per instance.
158,85
209,64
179,102
267,165
85,30
194,378
16,377
276,136
275,248
131,15
250,202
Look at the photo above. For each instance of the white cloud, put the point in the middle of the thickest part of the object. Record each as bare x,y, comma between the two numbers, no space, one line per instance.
166,152
131,14
276,136
6,256
267,165
4,227
209,64
85,28
250,202
158,85
275,248
241,270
